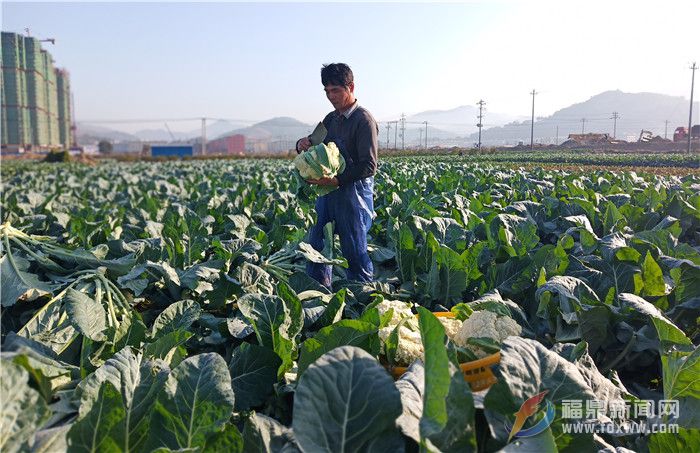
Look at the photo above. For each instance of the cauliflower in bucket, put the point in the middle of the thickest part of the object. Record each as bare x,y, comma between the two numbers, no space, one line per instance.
481,331
320,161
486,324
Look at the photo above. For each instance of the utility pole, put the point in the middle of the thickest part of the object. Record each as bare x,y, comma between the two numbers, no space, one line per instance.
614,118
403,131
388,128
204,136
666,129
583,125
396,130
557,139
481,115
532,122
426,134
690,115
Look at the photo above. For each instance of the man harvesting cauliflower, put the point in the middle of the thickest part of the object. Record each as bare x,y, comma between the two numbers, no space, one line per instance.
353,130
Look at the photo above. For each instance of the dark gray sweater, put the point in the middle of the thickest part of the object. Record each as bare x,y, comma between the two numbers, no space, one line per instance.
356,137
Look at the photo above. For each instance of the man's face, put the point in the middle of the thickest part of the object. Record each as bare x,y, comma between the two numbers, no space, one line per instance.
340,96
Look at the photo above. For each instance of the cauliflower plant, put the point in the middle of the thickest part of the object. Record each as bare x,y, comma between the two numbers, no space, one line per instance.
486,324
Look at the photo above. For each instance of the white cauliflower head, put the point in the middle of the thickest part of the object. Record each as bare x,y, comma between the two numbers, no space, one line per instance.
486,324
451,325
320,161
410,346
401,310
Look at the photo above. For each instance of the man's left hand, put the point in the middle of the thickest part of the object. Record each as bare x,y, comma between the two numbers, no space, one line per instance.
324,181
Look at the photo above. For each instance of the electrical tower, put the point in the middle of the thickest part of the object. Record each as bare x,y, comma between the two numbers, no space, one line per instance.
690,115
583,126
614,117
481,116
388,128
666,129
426,134
204,136
403,131
532,122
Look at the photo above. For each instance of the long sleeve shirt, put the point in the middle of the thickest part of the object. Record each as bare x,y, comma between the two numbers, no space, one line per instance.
355,132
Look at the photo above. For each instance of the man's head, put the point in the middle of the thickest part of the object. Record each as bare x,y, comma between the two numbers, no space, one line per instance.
338,83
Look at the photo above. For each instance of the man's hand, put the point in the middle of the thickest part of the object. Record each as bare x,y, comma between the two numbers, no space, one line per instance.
324,181
303,144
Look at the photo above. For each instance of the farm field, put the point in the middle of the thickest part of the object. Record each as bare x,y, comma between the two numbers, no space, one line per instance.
165,306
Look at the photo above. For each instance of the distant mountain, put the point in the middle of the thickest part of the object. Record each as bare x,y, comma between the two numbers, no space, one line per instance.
161,135
636,111
461,120
90,134
280,128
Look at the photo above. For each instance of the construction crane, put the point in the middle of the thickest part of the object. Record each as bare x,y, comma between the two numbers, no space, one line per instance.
51,40
170,132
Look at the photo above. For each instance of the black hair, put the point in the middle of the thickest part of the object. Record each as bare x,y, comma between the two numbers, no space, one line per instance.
336,74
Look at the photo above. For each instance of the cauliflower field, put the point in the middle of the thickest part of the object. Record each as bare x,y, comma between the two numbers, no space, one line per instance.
165,307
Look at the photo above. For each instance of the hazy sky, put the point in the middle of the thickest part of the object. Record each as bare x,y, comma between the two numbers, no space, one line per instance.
256,61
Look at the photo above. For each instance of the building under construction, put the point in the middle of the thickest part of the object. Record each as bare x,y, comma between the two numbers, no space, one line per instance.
36,98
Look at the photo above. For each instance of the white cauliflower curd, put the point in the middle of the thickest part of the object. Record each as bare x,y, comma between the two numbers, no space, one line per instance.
486,324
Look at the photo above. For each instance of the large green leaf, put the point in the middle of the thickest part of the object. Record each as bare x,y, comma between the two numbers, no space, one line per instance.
345,401
347,332
96,430
253,374
87,315
448,276
195,402
229,440
684,441
406,254
526,369
23,409
17,281
177,316
276,324
447,421
514,234
263,434
138,382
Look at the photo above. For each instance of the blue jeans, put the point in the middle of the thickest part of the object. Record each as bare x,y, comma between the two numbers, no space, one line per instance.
351,207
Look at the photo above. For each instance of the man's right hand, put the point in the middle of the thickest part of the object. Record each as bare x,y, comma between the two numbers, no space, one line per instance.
303,144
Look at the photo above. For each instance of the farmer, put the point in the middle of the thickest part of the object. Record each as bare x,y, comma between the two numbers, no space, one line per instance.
351,207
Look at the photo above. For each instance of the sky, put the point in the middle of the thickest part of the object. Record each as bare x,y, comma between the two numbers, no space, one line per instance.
255,61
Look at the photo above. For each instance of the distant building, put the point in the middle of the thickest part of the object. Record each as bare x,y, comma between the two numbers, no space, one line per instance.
172,150
233,144
127,147
36,97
